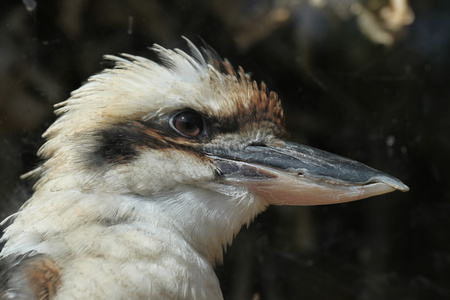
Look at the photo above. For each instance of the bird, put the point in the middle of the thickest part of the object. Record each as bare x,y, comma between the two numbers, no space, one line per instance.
148,173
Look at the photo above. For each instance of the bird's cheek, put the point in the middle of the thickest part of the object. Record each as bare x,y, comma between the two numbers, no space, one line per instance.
157,170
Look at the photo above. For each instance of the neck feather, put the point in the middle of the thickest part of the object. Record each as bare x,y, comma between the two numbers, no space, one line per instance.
207,219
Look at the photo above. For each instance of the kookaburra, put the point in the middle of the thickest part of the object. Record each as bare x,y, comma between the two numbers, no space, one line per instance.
149,172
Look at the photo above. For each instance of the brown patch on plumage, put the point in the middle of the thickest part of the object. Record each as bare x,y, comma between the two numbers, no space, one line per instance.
214,59
261,111
264,105
43,278
223,66
228,67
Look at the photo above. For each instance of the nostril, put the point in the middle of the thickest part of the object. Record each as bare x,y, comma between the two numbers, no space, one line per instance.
261,144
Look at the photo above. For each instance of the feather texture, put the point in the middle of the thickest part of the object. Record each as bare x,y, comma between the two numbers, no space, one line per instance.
125,209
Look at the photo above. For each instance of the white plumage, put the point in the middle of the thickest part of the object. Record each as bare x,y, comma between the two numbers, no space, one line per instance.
137,198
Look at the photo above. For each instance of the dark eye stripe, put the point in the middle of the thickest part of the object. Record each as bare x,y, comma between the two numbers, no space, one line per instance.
120,144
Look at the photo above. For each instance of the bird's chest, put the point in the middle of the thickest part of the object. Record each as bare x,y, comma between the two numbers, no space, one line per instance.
133,265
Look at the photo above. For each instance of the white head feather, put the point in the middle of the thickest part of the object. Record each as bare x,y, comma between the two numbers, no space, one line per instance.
123,220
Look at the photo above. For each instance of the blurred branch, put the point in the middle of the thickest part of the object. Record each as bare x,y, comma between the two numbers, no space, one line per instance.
381,21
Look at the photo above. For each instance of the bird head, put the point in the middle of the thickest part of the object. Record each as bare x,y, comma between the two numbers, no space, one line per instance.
189,141
143,127
149,172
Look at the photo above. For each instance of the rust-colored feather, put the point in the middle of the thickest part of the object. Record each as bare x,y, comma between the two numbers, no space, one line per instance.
44,278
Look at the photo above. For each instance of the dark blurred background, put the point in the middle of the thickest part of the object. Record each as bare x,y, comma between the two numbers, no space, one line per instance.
366,79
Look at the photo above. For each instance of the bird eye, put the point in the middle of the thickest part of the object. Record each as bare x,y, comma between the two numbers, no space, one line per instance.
189,123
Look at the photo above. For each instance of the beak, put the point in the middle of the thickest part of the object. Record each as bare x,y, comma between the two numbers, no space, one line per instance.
295,174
